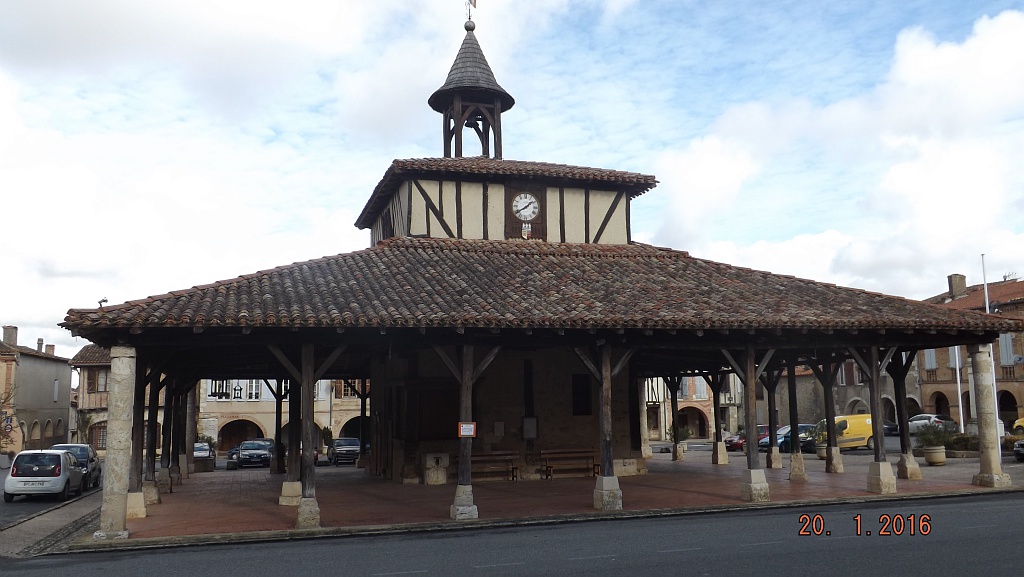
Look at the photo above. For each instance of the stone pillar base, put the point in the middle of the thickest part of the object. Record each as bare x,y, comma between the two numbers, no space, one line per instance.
833,460
990,480
645,452
308,514
607,494
774,458
881,479
291,493
754,486
796,468
150,492
907,467
163,481
463,507
175,475
435,475
680,452
719,456
183,466
136,506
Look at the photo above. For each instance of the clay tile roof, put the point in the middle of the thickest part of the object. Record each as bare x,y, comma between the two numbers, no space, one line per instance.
91,355
471,76
21,350
483,169
404,282
998,293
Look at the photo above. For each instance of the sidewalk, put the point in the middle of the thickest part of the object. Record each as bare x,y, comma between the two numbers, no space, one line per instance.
237,506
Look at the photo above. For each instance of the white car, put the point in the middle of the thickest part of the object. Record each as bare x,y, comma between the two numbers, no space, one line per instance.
52,472
915,423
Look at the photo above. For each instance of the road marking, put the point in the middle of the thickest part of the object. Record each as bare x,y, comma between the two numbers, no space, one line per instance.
497,565
402,572
679,550
594,557
759,544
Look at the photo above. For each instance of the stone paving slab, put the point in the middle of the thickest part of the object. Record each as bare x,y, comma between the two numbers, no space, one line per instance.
241,505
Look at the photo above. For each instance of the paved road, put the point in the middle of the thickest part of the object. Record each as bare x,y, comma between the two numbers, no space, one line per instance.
959,537
25,507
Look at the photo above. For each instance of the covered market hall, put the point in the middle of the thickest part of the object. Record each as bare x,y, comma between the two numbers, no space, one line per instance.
507,321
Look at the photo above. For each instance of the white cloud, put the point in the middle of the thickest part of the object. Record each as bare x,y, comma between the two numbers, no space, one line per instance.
925,169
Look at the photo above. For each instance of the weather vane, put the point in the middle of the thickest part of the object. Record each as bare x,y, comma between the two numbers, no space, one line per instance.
470,4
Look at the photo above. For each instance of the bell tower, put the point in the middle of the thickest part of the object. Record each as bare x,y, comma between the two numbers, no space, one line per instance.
471,98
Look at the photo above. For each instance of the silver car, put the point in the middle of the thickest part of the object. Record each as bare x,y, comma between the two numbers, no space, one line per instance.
45,472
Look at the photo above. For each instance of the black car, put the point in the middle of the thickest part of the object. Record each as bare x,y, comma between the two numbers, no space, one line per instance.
88,458
253,454
890,428
343,450
1018,451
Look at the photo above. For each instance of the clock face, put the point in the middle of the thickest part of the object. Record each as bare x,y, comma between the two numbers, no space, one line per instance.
525,206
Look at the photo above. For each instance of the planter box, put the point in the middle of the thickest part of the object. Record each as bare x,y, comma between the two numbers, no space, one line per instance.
950,454
204,465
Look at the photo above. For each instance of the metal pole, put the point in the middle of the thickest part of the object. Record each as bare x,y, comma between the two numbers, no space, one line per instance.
959,393
988,310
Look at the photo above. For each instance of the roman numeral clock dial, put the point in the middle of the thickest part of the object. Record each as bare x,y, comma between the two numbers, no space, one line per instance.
525,206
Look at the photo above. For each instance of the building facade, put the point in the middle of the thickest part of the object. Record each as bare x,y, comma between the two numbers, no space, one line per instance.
35,395
947,384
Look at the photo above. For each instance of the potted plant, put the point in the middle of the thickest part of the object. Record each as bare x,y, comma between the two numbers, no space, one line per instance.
820,435
932,439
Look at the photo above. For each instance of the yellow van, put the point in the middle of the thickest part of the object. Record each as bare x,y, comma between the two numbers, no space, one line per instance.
852,431
855,431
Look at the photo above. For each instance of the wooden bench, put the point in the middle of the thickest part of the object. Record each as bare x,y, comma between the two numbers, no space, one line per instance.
495,463
570,460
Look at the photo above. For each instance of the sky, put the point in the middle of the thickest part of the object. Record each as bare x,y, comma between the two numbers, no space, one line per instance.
153,146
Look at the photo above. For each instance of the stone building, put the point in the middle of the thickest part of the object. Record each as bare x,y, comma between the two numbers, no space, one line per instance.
35,395
504,311
946,380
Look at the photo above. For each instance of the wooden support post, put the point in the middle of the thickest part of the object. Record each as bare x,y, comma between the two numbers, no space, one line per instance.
605,418
466,415
672,382
151,428
138,428
750,410
309,443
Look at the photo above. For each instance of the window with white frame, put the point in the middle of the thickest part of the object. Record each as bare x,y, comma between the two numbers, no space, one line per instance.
700,389
1006,350
220,390
956,360
930,363
253,389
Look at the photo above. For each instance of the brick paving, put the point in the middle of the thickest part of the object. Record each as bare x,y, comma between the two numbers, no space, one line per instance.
243,501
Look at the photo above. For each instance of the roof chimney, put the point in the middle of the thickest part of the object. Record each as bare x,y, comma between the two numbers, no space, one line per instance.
957,285
11,335
49,350
39,345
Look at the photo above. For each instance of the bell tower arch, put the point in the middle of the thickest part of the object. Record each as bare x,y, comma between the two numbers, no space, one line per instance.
471,99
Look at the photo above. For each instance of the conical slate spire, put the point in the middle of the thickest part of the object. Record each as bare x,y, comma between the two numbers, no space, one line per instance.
471,77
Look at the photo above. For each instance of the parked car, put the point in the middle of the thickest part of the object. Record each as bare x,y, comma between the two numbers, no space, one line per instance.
890,428
203,451
1018,451
763,442
804,436
1018,427
42,472
343,450
735,442
915,423
253,454
88,458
